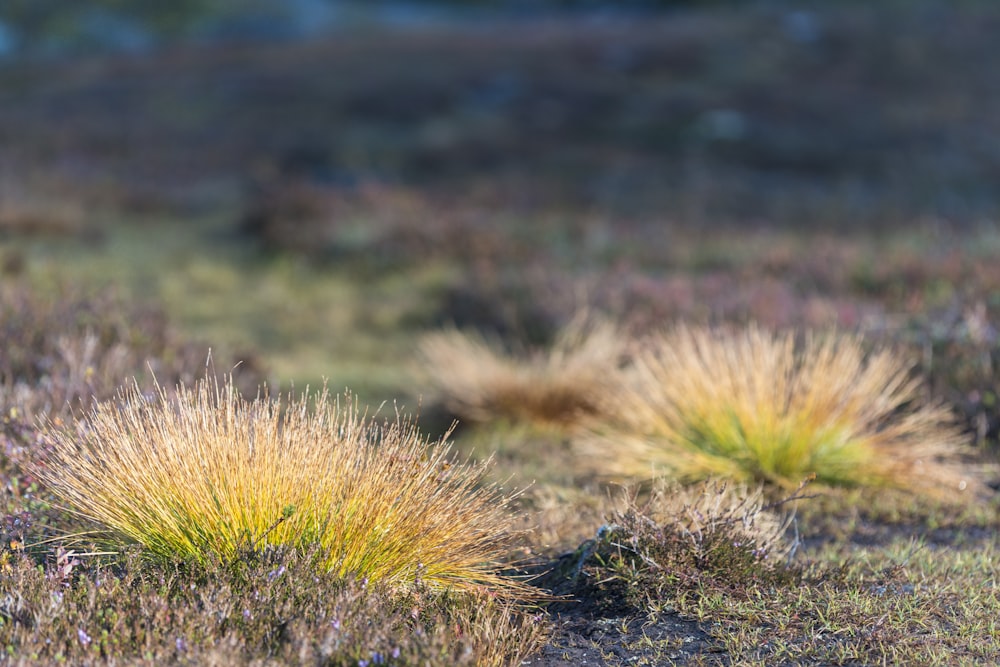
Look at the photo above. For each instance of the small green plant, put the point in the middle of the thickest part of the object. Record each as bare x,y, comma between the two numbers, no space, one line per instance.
206,474
753,405
480,382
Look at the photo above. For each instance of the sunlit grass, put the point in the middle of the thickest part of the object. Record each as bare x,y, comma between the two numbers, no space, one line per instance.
481,382
208,473
753,405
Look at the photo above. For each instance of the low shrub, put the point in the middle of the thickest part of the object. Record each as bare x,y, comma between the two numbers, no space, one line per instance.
272,607
680,539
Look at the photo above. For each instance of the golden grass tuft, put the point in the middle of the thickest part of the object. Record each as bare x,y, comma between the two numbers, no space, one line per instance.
757,406
480,382
207,473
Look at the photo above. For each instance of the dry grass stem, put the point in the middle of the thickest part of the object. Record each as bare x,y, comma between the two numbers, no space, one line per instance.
480,382
208,473
758,406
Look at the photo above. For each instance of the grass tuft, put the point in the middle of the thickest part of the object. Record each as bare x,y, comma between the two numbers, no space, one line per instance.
757,406
205,474
480,382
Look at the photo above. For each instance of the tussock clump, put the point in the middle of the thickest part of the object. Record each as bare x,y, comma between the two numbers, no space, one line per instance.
480,382
758,406
206,473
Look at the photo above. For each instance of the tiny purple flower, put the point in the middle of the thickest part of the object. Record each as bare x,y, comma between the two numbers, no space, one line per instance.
246,614
83,637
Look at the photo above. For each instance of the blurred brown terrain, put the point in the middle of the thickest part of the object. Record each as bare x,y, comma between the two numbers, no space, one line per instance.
852,116
829,166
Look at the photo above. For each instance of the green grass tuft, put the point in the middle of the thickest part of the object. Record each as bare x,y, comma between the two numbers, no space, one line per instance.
757,406
207,474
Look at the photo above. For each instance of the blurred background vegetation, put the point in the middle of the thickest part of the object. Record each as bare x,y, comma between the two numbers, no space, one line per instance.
50,27
310,185
62,26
